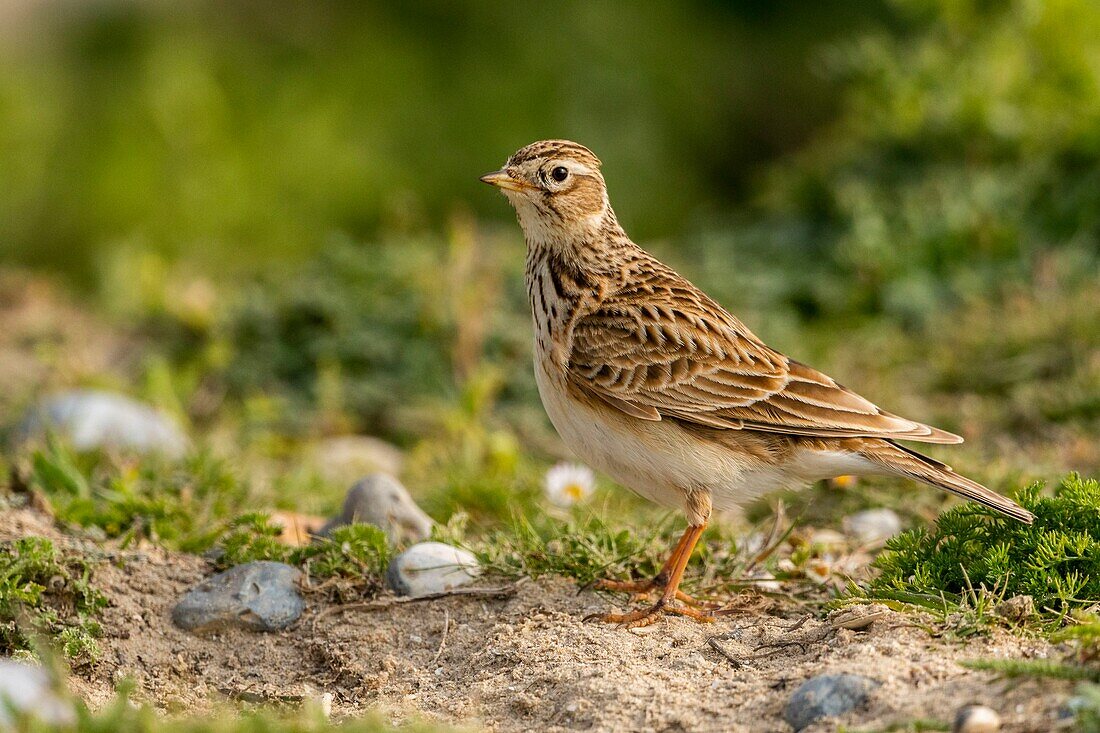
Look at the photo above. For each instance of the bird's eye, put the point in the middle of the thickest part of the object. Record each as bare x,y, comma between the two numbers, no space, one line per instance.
560,173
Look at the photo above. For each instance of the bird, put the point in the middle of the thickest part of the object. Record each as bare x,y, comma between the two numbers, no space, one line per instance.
652,382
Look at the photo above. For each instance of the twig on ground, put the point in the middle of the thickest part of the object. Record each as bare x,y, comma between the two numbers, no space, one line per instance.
501,593
798,624
712,642
803,645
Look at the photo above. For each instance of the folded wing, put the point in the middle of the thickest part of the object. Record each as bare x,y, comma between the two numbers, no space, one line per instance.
661,348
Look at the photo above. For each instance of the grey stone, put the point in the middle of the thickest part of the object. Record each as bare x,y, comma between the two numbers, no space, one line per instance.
27,689
826,695
381,500
872,526
431,567
260,596
91,419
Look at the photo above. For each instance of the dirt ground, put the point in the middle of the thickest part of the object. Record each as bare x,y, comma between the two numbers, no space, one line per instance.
529,663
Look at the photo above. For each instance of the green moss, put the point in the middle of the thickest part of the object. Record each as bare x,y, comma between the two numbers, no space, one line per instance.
1056,560
45,592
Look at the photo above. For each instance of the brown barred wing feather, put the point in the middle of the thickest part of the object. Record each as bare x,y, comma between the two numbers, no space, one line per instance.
662,348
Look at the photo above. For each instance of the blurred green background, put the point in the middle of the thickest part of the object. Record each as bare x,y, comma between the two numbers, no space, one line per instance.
237,132
270,210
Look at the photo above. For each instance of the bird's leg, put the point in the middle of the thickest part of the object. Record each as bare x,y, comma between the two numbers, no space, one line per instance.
675,566
640,589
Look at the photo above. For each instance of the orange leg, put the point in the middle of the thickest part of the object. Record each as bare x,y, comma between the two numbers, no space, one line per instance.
668,580
641,589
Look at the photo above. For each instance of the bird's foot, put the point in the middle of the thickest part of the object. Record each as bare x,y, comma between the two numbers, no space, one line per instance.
647,616
640,590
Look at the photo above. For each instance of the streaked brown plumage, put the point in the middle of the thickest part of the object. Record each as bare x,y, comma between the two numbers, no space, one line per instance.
648,379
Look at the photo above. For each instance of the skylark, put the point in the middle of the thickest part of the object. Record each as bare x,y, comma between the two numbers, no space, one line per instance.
652,382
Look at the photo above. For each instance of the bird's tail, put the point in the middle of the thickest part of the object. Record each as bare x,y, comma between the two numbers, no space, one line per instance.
898,459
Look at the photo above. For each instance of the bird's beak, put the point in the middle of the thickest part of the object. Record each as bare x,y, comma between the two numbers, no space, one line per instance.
503,179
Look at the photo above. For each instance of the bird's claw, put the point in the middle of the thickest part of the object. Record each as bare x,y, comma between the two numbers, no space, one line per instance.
640,590
648,616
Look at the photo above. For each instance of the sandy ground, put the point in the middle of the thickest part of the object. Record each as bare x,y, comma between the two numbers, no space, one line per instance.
527,662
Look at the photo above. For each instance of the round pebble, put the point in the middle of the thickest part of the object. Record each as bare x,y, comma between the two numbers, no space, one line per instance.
826,695
381,500
431,567
976,719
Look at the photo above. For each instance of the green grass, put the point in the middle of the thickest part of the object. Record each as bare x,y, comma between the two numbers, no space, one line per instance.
349,564
1035,668
1056,560
45,592
1084,705
181,506
585,549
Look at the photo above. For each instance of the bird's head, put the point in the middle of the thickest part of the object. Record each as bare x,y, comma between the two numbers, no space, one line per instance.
556,189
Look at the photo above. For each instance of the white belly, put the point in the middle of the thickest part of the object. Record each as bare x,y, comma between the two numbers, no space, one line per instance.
661,461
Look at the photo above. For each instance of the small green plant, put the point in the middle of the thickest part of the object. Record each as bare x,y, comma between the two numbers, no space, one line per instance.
44,592
180,506
1056,560
351,561
250,537
1083,632
353,551
586,549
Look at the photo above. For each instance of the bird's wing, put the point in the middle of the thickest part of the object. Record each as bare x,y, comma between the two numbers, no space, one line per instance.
661,348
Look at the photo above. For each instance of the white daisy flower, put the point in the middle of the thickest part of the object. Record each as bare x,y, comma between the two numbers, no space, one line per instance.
568,483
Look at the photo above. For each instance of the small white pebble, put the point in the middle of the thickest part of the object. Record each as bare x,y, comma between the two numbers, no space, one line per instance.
431,567
416,637
976,719
571,707
326,704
